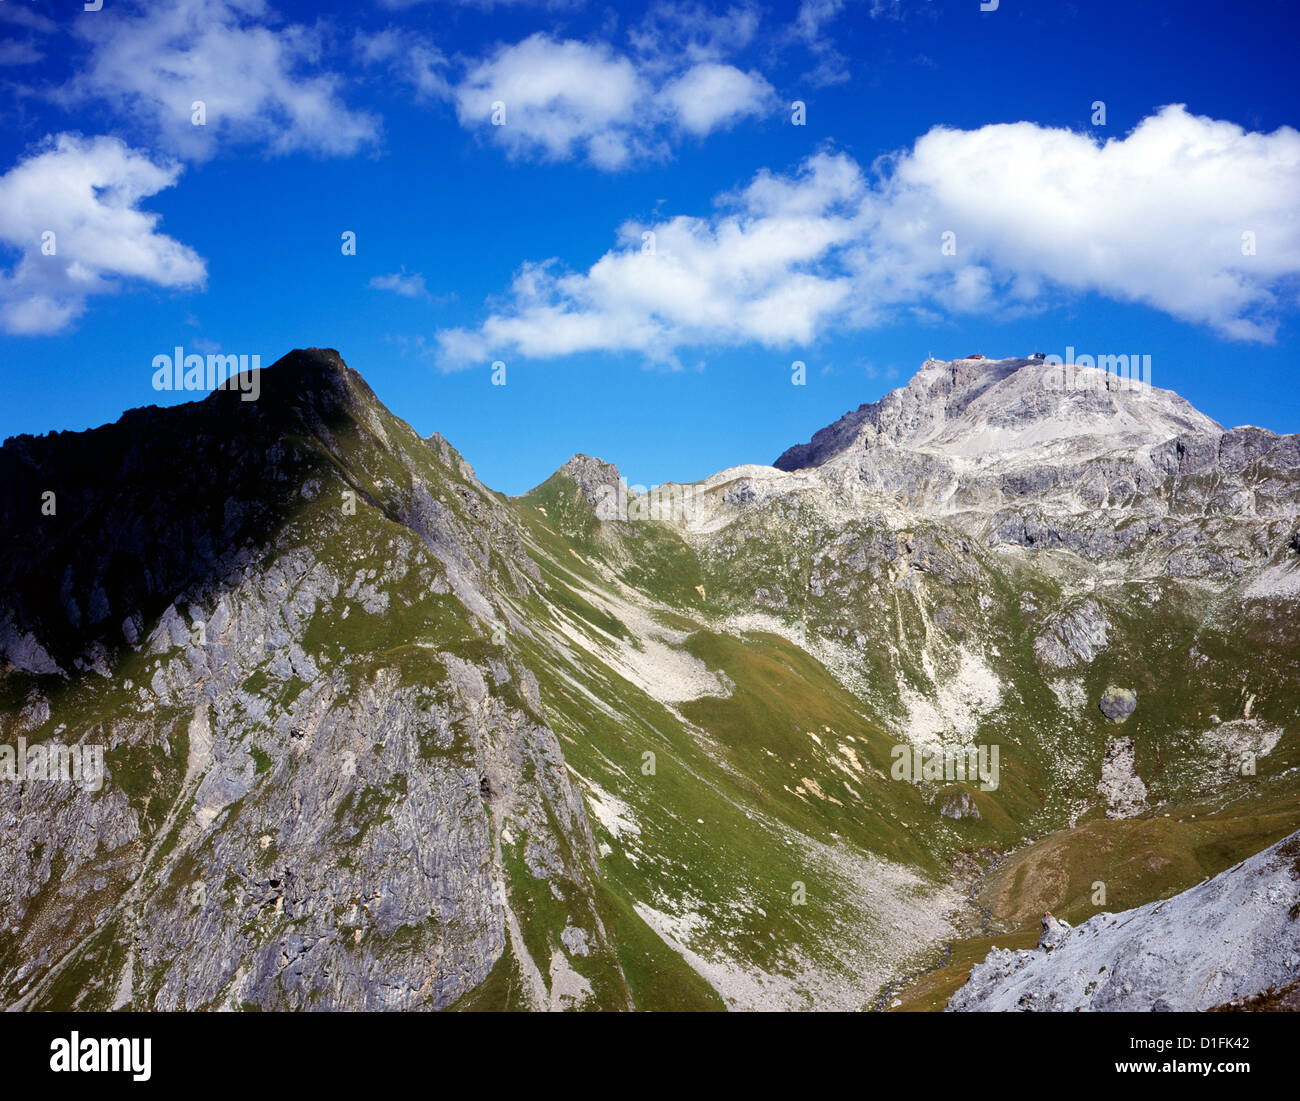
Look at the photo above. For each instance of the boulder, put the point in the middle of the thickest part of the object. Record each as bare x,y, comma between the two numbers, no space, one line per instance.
1117,704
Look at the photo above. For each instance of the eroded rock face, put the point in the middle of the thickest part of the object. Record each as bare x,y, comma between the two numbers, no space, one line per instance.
358,874
1229,938
1071,638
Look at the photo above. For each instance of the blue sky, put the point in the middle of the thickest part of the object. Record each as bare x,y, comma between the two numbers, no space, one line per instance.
522,242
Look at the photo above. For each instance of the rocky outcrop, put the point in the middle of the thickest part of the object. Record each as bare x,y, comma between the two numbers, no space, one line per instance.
1072,637
1120,785
1053,933
591,475
1230,938
967,407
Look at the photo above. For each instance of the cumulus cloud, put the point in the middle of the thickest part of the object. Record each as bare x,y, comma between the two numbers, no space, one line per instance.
710,95
565,99
1157,217
550,99
559,98
1036,215
71,210
762,272
259,81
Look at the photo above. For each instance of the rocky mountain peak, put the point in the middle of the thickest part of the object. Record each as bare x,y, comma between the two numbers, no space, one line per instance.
1022,408
312,384
590,474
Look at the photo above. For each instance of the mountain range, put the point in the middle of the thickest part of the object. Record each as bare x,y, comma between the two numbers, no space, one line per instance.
376,736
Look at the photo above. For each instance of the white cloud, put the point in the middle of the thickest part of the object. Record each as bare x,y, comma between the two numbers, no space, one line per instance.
673,34
564,99
411,56
1156,217
710,95
259,81
809,26
741,277
814,15
86,192
408,286
560,99
1039,214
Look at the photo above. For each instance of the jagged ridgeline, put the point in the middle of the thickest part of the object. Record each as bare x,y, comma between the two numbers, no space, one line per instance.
375,736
